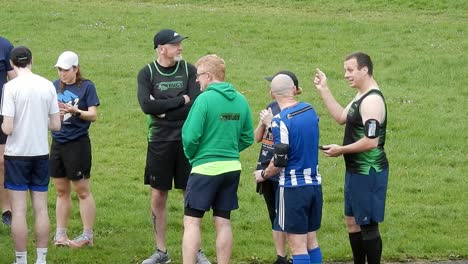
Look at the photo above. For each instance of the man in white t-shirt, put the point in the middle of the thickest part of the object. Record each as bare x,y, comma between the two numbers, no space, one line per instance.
30,109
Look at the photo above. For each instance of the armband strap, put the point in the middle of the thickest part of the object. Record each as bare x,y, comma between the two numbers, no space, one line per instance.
300,111
371,128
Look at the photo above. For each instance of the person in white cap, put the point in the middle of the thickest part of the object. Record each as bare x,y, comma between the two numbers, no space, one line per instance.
166,89
70,156
30,109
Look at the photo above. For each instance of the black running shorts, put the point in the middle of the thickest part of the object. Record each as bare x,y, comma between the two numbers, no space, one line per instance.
166,162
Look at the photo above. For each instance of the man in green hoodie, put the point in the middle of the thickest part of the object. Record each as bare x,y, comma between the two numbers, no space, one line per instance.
218,127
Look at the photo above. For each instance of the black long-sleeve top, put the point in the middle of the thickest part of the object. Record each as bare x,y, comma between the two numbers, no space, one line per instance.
160,92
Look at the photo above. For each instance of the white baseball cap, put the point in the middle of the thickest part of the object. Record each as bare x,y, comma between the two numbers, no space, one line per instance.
66,60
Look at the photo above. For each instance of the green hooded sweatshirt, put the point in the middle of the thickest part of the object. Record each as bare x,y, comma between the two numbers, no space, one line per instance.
218,127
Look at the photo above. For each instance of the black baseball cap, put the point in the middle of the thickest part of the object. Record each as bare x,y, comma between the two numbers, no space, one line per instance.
167,36
21,55
290,74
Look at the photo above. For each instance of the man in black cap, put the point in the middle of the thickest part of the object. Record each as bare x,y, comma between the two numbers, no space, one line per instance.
166,89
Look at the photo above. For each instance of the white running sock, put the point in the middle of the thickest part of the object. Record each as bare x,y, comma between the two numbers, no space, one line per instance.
88,233
61,232
41,255
21,257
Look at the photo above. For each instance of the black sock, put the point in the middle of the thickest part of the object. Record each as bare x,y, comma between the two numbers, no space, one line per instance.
373,250
357,245
280,259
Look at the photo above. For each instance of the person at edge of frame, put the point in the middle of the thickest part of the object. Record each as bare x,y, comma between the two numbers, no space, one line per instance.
29,108
6,74
367,168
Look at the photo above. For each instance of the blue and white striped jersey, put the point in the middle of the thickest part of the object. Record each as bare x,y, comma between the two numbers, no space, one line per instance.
298,126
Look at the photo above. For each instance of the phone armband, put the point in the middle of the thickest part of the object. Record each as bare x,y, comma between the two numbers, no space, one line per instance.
280,157
371,128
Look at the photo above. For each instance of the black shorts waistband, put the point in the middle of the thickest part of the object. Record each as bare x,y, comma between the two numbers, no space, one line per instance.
41,157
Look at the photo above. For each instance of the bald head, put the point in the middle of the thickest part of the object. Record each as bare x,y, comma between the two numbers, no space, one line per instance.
282,84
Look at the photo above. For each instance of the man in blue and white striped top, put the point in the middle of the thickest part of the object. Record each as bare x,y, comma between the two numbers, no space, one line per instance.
299,201
297,126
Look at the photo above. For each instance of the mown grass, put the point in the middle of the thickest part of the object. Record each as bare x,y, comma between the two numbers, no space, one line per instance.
420,55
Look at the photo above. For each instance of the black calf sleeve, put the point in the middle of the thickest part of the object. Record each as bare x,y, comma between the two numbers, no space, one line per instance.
370,231
373,250
372,242
357,246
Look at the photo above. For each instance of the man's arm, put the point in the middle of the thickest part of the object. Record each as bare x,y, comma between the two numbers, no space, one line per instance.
7,125
193,91
7,110
193,128
271,170
54,122
259,131
372,107
336,110
266,116
362,145
151,105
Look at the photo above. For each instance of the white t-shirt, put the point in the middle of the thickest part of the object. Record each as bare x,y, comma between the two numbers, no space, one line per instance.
29,99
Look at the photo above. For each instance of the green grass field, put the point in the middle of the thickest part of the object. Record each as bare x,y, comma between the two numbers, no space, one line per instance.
420,58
